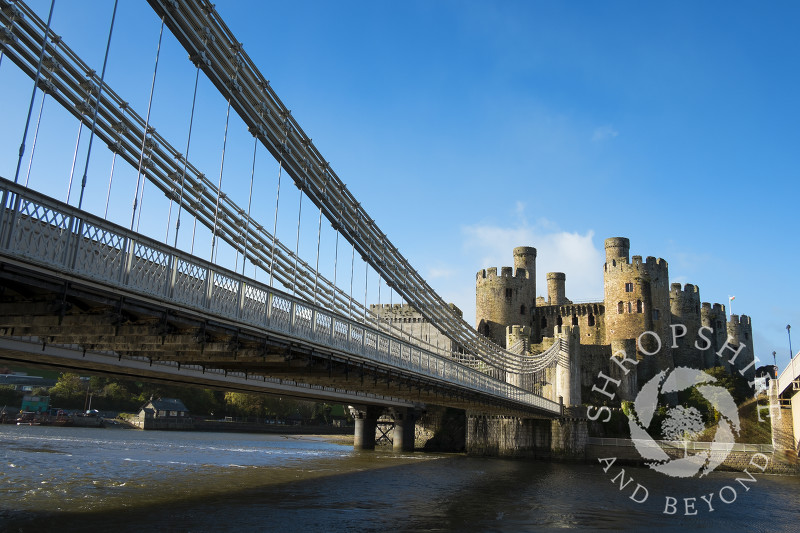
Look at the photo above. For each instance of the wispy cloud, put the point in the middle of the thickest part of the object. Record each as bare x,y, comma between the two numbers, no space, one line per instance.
604,133
439,272
557,251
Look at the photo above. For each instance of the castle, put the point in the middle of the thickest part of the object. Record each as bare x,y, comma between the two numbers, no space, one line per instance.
637,298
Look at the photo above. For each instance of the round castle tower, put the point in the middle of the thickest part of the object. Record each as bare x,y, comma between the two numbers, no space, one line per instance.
507,299
740,330
714,317
636,295
684,307
556,288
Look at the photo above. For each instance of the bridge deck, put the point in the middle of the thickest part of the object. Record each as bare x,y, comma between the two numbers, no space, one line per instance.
71,278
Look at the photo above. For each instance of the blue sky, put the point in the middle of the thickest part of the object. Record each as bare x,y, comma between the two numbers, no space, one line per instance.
468,128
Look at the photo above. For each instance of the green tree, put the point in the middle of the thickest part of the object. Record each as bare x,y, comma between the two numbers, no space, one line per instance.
69,391
244,404
9,396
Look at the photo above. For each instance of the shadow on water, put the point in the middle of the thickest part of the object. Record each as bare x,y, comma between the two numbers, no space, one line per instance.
435,493
82,480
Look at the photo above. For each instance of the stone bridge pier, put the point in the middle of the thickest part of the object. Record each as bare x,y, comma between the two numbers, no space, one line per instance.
366,421
563,437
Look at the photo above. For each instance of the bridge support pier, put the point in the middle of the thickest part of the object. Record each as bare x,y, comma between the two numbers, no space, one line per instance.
404,427
366,418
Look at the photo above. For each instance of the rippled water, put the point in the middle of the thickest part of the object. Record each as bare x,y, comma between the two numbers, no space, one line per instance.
79,479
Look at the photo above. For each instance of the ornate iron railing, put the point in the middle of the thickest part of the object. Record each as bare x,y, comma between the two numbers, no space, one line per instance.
36,229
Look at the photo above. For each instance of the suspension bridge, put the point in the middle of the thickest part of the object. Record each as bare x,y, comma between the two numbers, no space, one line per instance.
89,285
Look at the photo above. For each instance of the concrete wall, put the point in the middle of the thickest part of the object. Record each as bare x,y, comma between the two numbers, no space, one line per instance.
795,403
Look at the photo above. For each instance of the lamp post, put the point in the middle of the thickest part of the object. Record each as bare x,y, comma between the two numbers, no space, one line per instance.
775,364
789,331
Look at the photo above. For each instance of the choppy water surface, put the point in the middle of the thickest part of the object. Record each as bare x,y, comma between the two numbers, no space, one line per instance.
79,479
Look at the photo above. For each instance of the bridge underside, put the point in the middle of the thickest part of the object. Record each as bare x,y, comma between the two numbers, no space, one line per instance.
62,311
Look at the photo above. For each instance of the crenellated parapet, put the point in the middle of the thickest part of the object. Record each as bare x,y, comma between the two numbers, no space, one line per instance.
405,311
588,316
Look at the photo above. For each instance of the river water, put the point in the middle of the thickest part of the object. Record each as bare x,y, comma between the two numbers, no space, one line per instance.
84,479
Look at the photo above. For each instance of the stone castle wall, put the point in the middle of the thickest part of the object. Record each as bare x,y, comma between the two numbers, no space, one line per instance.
637,298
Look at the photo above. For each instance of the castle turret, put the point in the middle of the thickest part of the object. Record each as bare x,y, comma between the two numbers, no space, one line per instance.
684,307
636,295
713,317
507,299
617,250
740,334
556,290
525,258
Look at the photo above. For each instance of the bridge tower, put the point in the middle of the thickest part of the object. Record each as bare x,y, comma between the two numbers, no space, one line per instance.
507,299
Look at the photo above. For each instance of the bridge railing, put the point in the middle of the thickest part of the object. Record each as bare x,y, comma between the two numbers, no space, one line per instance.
36,229
789,374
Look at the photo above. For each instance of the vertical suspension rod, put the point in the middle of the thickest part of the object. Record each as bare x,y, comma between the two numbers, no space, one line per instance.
35,137
186,158
97,104
297,242
316,268
146,127
33,93
219,184
249,204
74,159
275,225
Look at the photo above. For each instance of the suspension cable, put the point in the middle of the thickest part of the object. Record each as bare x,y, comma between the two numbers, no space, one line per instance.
146,129
186,158
316,268
275,225
33,93
124,107
35,137
97,104
74,159
352,271
366,284
249,204
297,242
219,185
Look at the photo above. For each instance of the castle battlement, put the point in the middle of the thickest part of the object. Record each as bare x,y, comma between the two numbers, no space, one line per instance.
675,288
718,309
405,310
742,320
651,265
571,309
505,272
518,331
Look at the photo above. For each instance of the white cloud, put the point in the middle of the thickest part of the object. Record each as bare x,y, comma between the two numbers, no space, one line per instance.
604,133
574,254
440,272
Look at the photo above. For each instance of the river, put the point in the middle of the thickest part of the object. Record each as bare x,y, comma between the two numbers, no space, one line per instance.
84,479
